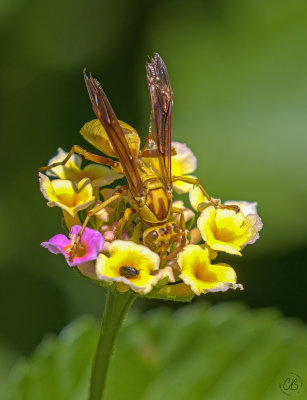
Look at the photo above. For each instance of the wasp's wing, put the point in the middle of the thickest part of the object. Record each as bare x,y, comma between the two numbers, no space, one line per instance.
161,96
107,117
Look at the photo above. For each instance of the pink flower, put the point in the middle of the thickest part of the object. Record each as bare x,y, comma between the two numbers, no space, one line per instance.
90,246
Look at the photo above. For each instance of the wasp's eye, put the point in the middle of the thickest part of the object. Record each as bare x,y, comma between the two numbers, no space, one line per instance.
175,228
153,235
168,229
162,231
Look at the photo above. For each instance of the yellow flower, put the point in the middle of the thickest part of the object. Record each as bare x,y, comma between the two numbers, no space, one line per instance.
198,273
184,162
228,231
130,264
100,175
70,196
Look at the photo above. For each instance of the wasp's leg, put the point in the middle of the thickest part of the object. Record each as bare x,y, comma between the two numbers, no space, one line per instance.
182,220
127,214
153,153
182,234
87,155
179,248
163,250
195,181
118,194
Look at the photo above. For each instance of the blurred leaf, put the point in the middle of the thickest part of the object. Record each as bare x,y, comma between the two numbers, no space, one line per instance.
7,360
223,352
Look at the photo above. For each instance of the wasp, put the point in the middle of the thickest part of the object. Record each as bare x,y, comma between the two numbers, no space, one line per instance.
149,190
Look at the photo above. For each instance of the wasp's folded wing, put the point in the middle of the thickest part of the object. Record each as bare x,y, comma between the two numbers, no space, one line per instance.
107,117
161,97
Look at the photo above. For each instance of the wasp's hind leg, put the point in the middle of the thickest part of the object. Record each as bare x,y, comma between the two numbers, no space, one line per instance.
195,181
87,155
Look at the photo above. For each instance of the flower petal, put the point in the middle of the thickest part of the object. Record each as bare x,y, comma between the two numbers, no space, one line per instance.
135,256
198,200
184,162
198,273
91,239
57,244
183,187
227,230
245,207
196,197
67,171
100,175
90,245
66,194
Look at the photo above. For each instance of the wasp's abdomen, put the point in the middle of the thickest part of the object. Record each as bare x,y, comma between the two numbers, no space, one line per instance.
158,202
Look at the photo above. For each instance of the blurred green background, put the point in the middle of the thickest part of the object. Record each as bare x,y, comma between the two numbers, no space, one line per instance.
238,71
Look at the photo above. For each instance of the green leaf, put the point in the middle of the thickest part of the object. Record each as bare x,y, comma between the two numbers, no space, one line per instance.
198,352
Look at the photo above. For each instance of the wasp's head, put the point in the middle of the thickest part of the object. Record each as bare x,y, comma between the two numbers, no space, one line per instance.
154,237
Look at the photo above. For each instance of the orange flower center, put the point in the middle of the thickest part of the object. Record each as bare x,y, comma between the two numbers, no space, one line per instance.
81,250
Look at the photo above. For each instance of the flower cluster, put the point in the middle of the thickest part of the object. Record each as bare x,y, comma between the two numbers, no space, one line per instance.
115,255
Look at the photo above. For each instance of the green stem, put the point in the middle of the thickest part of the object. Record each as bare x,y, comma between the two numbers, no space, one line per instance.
115,309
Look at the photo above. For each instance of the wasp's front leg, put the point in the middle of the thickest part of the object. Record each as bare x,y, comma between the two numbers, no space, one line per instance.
116,196
87,155
195,181
127,214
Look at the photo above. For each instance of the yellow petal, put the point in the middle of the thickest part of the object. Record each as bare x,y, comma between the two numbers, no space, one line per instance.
228,231
129,254
100,175
184,162
66,194
46,187
182,187
198,273
95,134
198,200
196,197
68,171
